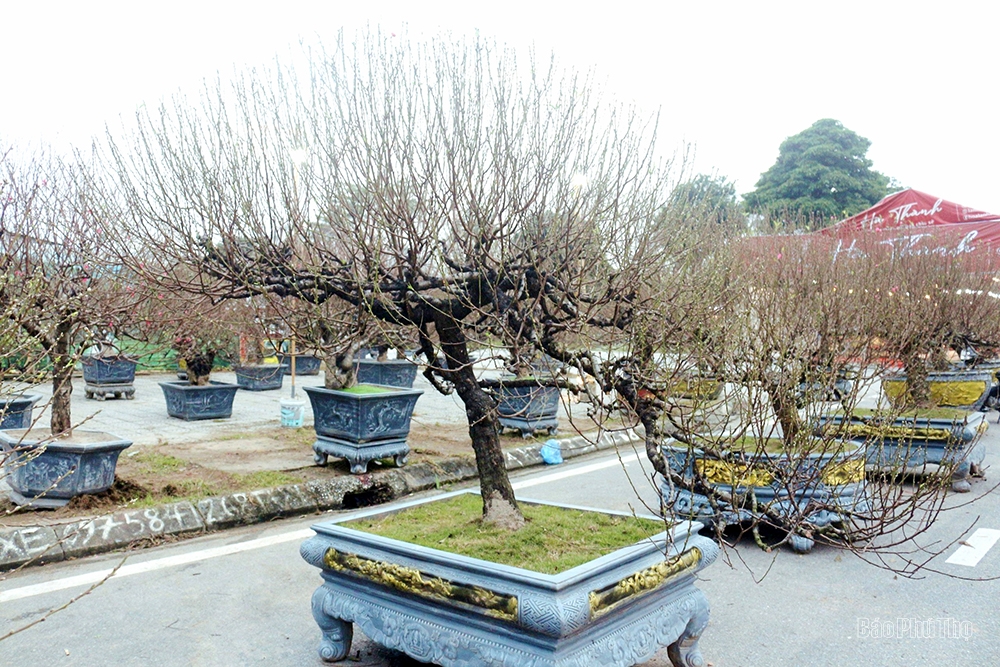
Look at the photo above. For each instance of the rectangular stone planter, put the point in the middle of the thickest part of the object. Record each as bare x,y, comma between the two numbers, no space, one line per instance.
910,443
529,409
828,486
304,364
362,427
16,411
191,402
391,372
960,389
48,474
451,610
262,377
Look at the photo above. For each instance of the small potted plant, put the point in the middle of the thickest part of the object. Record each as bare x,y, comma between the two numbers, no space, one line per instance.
199,397
378,368
254,373
528,396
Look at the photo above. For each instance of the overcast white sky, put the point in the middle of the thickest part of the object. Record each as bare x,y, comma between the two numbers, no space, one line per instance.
733,78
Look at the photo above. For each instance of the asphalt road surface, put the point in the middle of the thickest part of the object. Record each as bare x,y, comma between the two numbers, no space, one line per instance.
242,597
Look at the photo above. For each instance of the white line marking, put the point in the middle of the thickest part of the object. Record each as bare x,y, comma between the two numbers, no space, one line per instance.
151,565
573,472
215,552
975,547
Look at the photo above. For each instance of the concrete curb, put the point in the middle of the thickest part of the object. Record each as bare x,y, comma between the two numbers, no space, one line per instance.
37,545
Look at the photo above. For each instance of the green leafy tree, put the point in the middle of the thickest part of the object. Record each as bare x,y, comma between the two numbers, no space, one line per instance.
821,174
706,198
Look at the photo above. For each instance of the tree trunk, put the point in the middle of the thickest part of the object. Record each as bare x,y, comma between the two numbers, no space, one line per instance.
499,505
787,413
62,380
918,389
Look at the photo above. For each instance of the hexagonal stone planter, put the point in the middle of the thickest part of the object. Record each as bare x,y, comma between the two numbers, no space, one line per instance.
304,364
529,409
108,376
833,477
16,411
191,402
909,443
362,424
452,610
47,474
392,372
262,377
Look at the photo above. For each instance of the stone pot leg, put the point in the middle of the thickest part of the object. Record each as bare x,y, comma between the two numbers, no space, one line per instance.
960,478
337,634
685,651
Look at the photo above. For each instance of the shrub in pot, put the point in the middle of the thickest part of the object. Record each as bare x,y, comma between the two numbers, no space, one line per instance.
199,397
109,372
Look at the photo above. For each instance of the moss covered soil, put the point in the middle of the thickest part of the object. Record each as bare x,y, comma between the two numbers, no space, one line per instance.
553,540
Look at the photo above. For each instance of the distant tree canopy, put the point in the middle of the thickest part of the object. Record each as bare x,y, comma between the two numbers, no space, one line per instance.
706,198
821,174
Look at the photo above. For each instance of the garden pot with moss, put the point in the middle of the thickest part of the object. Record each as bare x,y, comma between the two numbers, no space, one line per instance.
364,423
967,389
195,402
16,411
614,608
112,376
773,482
46,473
909,441
304,364
391,372
259,377
528,408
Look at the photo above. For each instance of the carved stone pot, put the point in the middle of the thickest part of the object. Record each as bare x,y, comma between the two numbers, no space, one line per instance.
529,409
304,364
16,411
391,372
909,443
47,474
109,376
966,389
191,402
830,480
451,610
366,423
261,377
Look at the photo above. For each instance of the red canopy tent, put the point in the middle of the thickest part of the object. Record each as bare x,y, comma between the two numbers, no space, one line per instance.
916,222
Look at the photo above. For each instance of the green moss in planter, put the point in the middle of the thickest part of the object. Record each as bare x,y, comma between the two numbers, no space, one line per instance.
554,539
366,389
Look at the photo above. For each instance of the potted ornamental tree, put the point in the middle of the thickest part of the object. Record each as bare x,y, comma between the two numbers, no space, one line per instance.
932,309
107,371
387,223
202,335
57,284
253,373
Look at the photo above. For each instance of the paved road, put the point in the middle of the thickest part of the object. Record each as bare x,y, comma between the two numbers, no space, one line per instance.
242,597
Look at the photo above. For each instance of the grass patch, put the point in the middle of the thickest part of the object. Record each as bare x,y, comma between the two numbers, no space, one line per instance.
366,389
155,462
554,539
265,479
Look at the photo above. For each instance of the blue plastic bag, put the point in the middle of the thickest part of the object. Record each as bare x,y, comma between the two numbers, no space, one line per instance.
552,452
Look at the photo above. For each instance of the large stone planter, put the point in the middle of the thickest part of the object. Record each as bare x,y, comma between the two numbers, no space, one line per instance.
109,376
362,427
191,402
529,409
261,377
455,611
304,364
16,411
48,474
781,484
908,443
967,389
392,372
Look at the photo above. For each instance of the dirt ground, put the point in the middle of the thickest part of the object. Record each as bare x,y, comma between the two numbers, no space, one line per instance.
168,472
